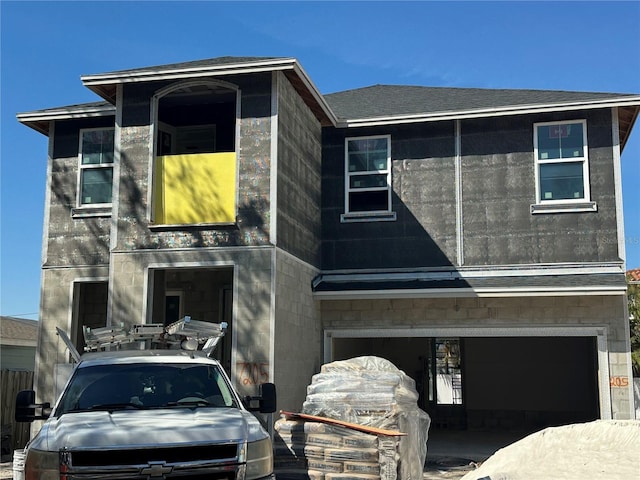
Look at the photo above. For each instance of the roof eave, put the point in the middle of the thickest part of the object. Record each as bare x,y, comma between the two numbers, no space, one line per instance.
105,84
551,291
40,120
488,112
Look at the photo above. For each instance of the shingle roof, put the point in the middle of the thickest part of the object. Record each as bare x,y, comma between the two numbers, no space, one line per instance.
634,275
400,100
18,331
207,62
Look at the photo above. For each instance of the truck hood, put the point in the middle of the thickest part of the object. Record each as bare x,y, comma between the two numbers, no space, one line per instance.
157,427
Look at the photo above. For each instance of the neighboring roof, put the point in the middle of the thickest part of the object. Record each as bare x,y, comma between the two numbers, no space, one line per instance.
633,276
354,286
18,331
387,104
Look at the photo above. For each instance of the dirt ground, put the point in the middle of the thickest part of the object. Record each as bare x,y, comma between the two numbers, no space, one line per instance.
6,470
444,471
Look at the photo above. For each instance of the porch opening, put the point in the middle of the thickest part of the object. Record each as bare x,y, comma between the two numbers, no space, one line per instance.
204,294
89,309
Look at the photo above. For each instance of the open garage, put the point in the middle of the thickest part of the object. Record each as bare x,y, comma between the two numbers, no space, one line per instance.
508,383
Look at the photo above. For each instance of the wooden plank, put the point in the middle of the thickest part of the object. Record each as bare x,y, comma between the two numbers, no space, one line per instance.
353,426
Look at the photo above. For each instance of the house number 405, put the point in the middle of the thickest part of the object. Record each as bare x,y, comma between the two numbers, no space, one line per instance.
619,381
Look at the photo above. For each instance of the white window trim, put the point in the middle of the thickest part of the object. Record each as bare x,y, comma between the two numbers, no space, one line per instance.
91,209
372,215
583,204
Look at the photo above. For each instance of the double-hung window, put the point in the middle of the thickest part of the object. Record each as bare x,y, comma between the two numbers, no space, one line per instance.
562,164
368,177
96,166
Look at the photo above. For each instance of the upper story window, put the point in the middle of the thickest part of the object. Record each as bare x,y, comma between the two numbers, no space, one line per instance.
96,166
562,167
368,178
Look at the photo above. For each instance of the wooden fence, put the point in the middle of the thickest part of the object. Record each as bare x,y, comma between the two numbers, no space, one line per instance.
14,435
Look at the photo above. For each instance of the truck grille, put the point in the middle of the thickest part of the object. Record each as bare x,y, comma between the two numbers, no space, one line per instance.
199,462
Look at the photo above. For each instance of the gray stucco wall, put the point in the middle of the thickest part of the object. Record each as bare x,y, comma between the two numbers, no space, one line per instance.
299,158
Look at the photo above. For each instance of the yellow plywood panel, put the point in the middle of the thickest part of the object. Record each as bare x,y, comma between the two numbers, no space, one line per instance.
199,188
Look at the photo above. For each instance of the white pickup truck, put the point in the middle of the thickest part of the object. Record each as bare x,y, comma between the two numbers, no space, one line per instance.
148,414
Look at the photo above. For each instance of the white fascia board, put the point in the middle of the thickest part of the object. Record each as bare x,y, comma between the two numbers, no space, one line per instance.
67,113
470,292
489,112
187,72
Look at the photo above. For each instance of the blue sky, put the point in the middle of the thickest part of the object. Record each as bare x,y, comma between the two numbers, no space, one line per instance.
46,46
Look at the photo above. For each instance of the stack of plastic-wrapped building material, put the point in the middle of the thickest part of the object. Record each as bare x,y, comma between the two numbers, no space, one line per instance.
368,391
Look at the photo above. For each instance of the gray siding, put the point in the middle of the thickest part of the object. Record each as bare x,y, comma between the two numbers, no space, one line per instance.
299,158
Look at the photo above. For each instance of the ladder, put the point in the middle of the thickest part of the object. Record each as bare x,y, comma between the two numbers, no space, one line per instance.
185,334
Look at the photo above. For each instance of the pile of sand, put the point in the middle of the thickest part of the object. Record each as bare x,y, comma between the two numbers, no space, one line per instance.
600,450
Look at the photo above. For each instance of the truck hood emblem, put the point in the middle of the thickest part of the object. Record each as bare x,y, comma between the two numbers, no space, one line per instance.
156,470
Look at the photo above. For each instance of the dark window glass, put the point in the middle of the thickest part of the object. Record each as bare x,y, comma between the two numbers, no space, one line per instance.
561,181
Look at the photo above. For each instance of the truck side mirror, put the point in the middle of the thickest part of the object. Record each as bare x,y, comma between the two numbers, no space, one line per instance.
267,398
26,407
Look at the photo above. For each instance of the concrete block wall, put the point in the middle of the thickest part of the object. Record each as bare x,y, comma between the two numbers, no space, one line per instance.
254,162
252,283
298,332
69,240
495,313
298,190
56,306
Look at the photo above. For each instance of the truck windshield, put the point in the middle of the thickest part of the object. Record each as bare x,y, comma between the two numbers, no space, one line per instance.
144,385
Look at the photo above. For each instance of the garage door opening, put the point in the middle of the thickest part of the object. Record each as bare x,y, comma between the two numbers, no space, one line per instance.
492,383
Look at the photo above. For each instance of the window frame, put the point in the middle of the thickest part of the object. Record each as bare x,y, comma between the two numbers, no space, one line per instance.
93,166
583,159
368,215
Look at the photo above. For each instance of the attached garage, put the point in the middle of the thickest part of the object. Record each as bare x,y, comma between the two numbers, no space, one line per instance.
502,382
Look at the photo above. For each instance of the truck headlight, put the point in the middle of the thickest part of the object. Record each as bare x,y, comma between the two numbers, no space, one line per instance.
259,459
41,465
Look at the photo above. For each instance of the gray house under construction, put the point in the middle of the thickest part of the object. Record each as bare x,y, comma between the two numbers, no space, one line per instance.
473,237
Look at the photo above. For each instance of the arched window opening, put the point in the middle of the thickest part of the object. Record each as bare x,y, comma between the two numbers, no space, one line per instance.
195,154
